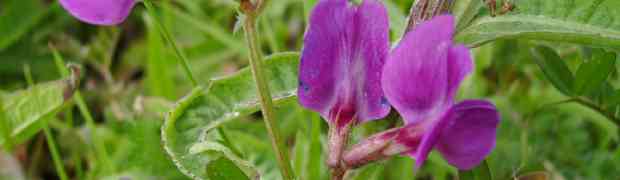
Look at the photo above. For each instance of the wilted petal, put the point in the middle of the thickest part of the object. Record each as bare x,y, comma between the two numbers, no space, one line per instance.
465,135
419,75
99,12
344,51
469,135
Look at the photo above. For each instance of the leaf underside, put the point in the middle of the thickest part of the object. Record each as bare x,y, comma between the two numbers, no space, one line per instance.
25,111
590,22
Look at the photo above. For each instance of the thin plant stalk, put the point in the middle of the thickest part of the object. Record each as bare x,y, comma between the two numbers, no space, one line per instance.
90,122
182,59
168,37
251,11
60,169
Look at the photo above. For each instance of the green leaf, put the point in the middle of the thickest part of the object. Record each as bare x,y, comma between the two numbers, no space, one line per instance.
554,69
591,22
223,163
308,150
465,11
135,148
187,126
481,172
17,17
592,73
25,111
369,172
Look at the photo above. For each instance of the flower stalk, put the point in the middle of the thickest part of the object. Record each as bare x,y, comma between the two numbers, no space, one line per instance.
338,139
251,11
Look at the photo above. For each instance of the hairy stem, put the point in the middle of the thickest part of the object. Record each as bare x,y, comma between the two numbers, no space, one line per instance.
251,11
168,37
423,10
338,139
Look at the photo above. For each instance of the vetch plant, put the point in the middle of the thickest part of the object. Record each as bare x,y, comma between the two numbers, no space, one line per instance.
256,112
341,75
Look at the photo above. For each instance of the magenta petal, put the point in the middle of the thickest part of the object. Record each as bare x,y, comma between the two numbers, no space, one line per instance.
469,134
418,78
344,51
99,12
465,135
459,66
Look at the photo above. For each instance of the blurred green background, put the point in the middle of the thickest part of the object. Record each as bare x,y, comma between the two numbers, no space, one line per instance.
130,78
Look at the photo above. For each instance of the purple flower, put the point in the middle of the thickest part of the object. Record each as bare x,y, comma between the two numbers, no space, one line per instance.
99,12
420,79
345,48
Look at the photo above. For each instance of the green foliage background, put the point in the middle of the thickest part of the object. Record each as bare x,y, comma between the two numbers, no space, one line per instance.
542,53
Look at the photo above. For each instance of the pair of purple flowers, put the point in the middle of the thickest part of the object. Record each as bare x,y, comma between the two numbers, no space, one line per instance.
349,76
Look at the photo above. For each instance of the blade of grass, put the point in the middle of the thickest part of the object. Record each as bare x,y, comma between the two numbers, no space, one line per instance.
159,79
315,147
269,33
211,29
55,154
168,37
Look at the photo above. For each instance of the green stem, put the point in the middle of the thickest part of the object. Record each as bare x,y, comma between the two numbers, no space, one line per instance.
168,37
251,36
48,135
55,155
90,122
600,110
